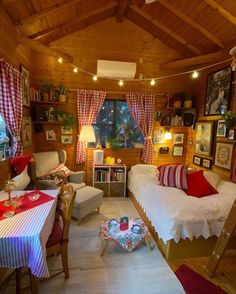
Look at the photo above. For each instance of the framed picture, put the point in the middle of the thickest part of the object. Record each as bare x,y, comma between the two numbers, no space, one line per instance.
218,92
178,139
221,128
66,139
197,160
178,150
206,163
158,137
26,131
223,155
204,136
66,131
231,134
25,86
50,135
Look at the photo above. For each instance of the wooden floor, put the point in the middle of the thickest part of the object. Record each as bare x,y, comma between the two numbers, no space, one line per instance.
117,272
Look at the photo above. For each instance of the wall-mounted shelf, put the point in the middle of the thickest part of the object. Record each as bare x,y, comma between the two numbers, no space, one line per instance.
45,122
48,102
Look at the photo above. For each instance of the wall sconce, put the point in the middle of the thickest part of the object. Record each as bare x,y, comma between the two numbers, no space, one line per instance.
168,135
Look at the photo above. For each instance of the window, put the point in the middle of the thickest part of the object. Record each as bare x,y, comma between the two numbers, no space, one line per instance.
3,134
115,121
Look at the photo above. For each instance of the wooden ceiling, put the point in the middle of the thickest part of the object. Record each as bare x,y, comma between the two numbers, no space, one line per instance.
198,30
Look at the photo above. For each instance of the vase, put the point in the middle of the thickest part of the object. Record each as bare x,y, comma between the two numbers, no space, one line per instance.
188,103
62,98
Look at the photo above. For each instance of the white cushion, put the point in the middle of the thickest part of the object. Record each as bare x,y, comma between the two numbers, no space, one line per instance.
212,178
144,169
22,180
226,188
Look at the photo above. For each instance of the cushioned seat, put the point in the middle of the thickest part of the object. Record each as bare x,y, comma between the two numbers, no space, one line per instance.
87,200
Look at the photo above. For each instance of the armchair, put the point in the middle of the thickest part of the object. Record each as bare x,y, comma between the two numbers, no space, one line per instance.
53,161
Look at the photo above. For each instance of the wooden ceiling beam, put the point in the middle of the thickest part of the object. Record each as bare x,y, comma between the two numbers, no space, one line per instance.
226,14
39,47
122,7
165,29
191,22
45,12
193,61
92,14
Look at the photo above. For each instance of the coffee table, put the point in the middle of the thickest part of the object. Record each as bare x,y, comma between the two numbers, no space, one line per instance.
129,239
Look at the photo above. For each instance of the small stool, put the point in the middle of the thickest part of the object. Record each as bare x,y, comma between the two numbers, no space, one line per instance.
87,199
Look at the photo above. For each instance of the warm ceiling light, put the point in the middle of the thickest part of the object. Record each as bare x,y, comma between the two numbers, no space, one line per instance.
195,74
153,82
59,60
75,70
95,78
121,83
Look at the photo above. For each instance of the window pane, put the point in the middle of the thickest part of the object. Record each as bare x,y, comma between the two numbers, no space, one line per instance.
106,115
126,129
3,131
102,133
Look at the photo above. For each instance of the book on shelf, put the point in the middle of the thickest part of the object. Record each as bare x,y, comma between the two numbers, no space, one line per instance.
102,176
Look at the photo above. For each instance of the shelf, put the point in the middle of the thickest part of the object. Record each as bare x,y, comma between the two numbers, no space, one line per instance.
175,108
45,122
174,126
48,102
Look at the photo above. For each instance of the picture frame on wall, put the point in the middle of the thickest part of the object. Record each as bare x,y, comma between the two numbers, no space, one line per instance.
207,163
178,139
66,139
223,155
197,160
25,85
221,128
158,137
231,135
178,150
50,135
66,130
26,131
218,92
204,137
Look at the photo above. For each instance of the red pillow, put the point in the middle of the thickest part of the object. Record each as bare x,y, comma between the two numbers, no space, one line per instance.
198,186
173,176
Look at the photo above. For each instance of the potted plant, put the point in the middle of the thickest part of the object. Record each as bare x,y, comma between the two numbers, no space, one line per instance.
62,93
114,144
230,119
66,119
45,87
188,101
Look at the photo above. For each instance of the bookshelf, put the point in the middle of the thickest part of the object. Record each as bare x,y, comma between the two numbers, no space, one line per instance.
110,178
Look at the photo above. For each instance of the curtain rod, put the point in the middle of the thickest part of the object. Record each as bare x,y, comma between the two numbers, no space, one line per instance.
123,92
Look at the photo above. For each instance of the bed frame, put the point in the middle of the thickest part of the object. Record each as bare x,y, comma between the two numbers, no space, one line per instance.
184,248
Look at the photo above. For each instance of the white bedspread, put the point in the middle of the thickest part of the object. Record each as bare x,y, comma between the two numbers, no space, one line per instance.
174,214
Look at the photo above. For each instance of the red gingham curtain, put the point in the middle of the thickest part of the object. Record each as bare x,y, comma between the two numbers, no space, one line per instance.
142,109
11,106
233,167
89,103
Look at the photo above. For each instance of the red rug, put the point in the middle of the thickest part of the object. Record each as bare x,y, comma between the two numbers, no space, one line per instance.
193,283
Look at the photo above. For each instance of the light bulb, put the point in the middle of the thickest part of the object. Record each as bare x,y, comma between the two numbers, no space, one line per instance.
75,70
121,83
59,60
153,82
168,135
95,78
195,74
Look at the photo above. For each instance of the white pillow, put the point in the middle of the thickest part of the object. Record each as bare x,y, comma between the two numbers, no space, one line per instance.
144,169
212,178
22,180
226,188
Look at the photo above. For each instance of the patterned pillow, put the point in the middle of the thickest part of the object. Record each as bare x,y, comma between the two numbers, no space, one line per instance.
173,176
59,178
60,167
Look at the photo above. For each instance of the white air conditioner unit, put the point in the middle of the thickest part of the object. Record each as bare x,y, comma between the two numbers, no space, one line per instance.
116,69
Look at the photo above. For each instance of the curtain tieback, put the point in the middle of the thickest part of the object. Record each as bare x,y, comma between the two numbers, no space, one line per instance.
148,138
17,138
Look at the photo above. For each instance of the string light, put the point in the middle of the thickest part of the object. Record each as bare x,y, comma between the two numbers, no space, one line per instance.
59,60
121,83
195,74
153,80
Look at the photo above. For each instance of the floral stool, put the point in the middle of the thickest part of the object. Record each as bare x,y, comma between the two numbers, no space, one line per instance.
129,239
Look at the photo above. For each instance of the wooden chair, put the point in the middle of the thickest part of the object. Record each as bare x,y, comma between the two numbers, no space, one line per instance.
58,240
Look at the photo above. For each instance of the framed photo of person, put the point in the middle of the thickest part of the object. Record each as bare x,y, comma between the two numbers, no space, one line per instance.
221,128
197,160
223,154
178,139
178,150
218,91
231,135
204,137
26,85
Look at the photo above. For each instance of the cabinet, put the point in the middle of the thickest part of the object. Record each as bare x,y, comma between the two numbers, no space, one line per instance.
111,179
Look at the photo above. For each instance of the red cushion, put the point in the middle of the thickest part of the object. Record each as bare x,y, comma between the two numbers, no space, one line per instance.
173,176
20,162
198,186
56,235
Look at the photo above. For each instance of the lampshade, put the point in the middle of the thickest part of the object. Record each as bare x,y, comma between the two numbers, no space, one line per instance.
168,135
87,134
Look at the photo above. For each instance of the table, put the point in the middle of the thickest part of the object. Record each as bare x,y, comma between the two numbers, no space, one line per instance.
23,237
128,239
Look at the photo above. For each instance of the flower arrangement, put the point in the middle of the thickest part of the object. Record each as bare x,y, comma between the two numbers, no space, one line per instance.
230,119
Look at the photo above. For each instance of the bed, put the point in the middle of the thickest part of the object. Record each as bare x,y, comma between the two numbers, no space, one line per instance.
183,226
